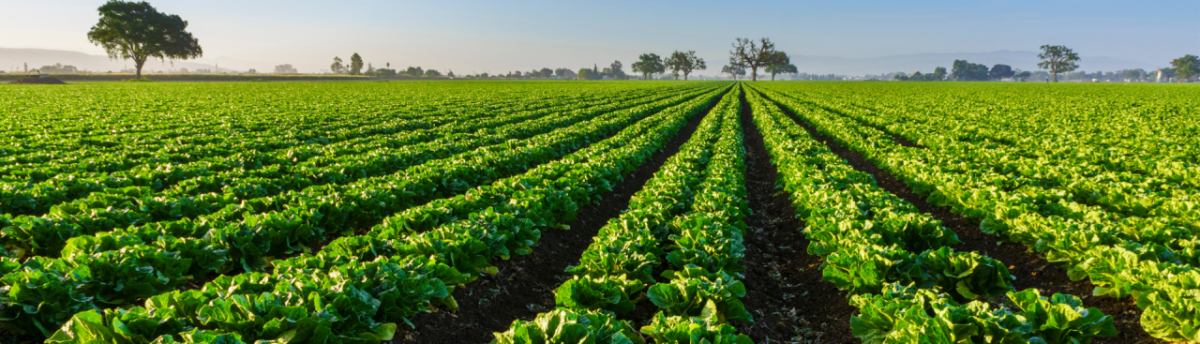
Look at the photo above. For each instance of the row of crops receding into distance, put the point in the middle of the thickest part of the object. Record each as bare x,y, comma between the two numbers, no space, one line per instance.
607,212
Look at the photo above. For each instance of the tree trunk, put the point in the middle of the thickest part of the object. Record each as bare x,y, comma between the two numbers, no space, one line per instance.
1055,76
139,64
772,76
753,73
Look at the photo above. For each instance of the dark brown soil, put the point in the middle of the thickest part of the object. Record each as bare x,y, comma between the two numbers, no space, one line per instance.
525,285
785,293
905,142
10,337
38,81
1030,268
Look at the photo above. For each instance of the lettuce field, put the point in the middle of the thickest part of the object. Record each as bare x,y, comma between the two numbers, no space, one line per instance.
602,212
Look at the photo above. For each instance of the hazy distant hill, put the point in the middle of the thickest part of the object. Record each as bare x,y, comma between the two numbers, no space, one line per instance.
1025,60
14,59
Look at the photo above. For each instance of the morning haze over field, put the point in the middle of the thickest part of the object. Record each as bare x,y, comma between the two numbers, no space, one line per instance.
375,172
845,38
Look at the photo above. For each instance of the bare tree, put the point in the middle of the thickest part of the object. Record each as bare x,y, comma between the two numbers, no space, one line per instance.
752,55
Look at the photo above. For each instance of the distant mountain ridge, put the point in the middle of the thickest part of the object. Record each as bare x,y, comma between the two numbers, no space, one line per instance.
13,60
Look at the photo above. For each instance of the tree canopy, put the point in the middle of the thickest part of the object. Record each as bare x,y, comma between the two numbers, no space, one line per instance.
1001,71
1058,59
780,64
648,64
1022,76
685,62
337,67
585,74
939,74
415,71
675,62
356,64
734,70
1187,66
751,55
966,71
564,73
617,71
285,69
138,31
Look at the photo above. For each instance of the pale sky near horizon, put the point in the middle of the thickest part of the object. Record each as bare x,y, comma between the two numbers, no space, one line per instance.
491,36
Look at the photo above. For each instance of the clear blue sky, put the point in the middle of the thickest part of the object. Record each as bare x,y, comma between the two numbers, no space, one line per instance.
477,36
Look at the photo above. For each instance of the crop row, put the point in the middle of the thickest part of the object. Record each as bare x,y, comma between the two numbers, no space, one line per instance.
1141,130
171,254
1165,290
1147,210
102,151
181,146
895,261
290,302
92,149
308,161
1127,173
274,190
88,115
1150,259
689,216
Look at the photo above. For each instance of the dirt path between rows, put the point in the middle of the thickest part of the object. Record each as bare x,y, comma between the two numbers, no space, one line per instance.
1030,268
525,285
784,290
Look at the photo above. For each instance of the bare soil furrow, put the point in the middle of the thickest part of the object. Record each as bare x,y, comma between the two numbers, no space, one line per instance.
525,284
784,290
1030,268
